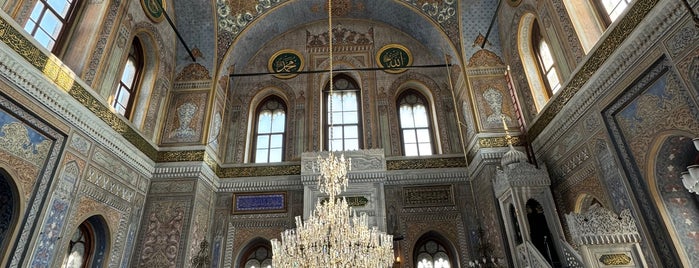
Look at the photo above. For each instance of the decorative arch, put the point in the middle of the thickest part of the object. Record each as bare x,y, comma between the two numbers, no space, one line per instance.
584,201
673,152
11,206
154,79
539,233
88,244
429,88
529,61
434,246
257,251
245,118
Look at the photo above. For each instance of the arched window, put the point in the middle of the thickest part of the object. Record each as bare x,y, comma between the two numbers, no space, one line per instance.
344,115
269,131
592,17
87,246
431,253
258,255
545,60
128,84
50,20
415,127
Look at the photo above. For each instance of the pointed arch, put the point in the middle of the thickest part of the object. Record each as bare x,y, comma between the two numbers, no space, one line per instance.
672,153
88,244
11,206
433,248
256,253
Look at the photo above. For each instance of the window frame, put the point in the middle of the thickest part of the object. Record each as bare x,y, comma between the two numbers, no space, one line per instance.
253,145
352,86
64,32
249,252
442,247
137,53
604,16
537,38
421,97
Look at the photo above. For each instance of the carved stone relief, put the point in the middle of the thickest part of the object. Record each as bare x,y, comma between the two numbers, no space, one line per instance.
162,238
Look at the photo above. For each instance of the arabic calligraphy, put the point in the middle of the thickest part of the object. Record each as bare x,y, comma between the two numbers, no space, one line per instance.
285,63
153,9
394,58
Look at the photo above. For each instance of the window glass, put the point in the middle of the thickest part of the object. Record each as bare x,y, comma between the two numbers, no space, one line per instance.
125,93
343,117
432,254
47,20
415,124
271,122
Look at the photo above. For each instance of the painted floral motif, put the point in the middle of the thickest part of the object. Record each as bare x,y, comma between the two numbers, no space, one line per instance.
27,144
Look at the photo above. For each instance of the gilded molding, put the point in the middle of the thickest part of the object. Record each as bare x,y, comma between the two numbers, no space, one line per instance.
615,259
426,163
181,156
494,142
21,45
628,24
54,70
235,172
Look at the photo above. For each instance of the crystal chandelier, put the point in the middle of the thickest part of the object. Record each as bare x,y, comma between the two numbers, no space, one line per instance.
333,236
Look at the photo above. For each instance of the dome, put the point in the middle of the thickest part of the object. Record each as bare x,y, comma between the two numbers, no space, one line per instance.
513,156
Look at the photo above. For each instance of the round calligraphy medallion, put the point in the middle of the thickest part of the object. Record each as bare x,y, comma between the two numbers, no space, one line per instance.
285,63
394,58
154,9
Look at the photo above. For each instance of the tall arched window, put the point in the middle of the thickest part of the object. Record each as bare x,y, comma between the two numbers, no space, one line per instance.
258,255
432,253
345,113
50,20
269,131
130,77
415,127
545,60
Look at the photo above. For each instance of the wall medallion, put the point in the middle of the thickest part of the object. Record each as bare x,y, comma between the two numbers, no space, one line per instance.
285,63
394,57
154,9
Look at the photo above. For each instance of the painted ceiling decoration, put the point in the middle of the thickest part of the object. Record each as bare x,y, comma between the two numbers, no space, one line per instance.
233,17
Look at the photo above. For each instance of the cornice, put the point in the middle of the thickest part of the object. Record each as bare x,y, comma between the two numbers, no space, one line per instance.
411,177
260,184
607,53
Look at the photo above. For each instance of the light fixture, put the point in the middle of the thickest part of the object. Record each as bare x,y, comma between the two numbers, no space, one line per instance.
333,236
690,178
